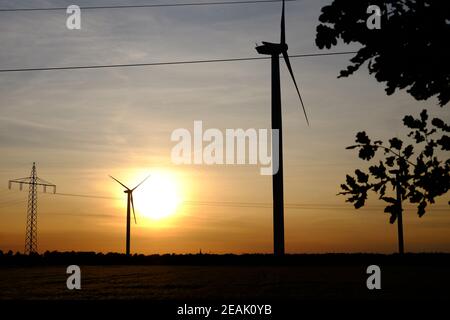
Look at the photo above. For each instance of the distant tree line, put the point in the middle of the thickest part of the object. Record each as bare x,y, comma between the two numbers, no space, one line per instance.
56,258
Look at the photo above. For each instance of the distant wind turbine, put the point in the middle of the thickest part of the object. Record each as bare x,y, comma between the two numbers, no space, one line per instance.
275,50
130,203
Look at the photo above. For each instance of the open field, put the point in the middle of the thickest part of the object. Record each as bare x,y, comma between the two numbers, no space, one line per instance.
223,283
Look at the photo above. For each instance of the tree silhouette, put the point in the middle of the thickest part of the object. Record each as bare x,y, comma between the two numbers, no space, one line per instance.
414,172
410,50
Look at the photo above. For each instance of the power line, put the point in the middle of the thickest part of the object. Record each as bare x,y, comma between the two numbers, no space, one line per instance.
12,203
218,203
8,201
263,205
169,63
87,196
297,206
191,4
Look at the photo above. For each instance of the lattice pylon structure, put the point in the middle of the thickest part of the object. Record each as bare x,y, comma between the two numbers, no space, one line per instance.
33,181
31,231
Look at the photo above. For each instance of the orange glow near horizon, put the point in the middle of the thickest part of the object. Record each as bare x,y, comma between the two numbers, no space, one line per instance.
156,200
159,197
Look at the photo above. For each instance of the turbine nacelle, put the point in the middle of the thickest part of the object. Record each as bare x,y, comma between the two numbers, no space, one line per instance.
275,49
130,193
270,48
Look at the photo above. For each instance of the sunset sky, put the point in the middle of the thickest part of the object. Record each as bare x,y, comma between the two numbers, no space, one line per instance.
80,126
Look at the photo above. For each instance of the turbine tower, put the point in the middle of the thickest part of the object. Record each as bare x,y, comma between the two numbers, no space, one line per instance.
275,50
33,181
130,203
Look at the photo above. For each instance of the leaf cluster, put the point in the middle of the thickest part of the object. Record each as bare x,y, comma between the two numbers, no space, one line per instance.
414,171
410,51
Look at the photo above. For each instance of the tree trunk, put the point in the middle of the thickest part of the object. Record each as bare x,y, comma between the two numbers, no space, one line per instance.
401,249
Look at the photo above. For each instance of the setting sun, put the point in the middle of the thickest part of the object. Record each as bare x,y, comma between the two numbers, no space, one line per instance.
158,197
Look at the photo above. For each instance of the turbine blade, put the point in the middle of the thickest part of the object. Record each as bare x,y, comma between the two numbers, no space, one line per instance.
132,205
288,64
119,182
141,183
283,27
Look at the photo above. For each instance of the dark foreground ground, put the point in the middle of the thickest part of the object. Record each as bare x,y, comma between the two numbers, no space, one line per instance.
160,287
192,278
221,283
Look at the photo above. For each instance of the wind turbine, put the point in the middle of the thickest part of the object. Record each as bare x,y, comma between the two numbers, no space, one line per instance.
130,203
275,50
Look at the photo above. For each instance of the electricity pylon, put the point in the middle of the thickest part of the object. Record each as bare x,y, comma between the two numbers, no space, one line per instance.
33,181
